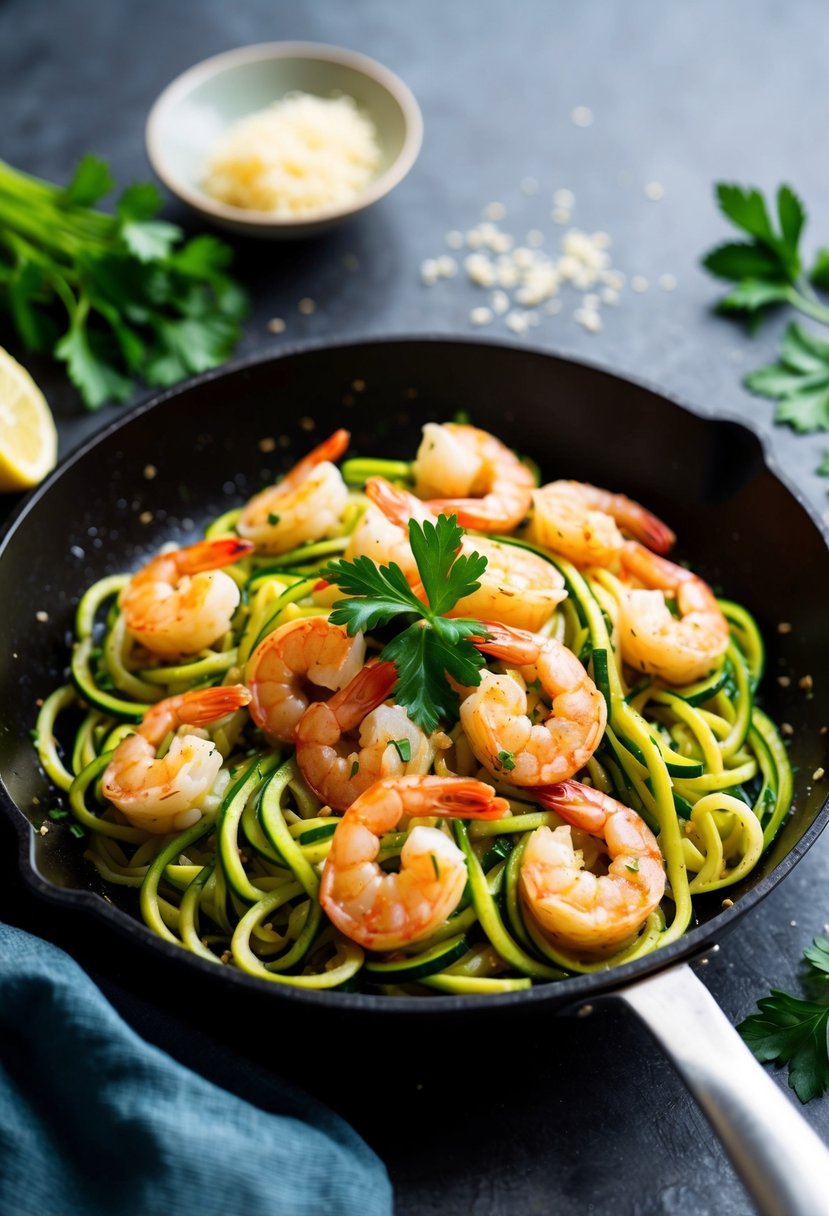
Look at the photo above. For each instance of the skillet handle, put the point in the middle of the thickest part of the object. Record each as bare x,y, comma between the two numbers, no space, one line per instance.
783,1163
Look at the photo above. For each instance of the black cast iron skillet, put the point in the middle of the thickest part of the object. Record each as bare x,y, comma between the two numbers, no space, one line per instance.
162,471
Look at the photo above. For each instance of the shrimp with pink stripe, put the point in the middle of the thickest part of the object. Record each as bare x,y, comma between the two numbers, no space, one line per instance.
181,601
345,744
579,910
505,739
385,911
307,504
464,471
167,793
677,650
587,525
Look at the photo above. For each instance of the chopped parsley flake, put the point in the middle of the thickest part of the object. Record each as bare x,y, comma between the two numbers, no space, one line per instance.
403,748
507,760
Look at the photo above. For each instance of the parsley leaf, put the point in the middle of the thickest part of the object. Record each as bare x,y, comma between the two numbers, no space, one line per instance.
799,381
793,1031
430,645
823,468
117,297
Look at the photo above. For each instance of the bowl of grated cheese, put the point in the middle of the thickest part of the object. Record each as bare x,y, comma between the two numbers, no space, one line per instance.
283,139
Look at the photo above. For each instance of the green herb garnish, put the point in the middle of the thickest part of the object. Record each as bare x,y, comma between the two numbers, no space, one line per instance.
435,865
793,1031
273,519
403,748
768,270
115,297
507,760
57,813
77,830
632,864
430,645
355,768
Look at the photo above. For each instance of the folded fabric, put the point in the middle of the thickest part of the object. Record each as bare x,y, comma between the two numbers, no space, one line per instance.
96,1122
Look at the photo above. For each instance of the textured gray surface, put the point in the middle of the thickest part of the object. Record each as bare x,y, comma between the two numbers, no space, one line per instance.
579,1117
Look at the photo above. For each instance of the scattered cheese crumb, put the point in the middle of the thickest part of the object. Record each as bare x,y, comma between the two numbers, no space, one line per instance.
654,191
806,683
564,198
146,517
268,444
307,424
639,283
784,627
561,215
42,616
306,306
818,774
582,116
43,829
784,681
517,322
455,239
494,211
499,302
667,282
276,325
150,471
786,728
481,315
728,903
359,386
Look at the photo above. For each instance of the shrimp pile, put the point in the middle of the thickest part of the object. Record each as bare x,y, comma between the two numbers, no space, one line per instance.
302,797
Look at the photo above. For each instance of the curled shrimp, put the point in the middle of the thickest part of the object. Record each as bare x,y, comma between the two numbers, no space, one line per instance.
517,587
467,472
298,663
306,505
585,524
167,794
677,650
578,909
351,740
509,743
181,601
384,911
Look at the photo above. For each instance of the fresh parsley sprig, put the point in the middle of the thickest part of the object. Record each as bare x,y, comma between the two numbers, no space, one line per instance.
769,270
793,1031
115,297
430,645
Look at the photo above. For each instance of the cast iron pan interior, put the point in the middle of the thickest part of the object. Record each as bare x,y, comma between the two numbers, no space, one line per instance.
737,522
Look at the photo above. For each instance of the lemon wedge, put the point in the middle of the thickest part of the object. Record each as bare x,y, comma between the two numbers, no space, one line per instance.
28,438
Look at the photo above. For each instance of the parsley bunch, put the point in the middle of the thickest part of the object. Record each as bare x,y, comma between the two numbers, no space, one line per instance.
115,297
793,1031
768,270
430,645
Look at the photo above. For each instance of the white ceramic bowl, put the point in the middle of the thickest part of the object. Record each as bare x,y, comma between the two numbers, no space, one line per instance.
193,111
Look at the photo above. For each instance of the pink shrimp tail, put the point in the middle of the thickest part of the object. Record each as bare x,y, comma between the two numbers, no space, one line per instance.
506,642
398,506
331,449
369,688
212,554
467,798
195,708
653,571
581,806
655,534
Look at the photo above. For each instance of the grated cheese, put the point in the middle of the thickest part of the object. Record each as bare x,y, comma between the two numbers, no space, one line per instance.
301,154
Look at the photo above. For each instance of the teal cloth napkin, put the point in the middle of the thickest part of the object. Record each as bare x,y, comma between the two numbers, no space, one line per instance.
96,1122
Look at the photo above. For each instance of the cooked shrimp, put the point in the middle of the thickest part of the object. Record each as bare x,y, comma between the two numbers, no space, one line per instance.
578,909
585,523
346,743
467,472
306,505
167,794
517,587
298,663
678,650
180,601
494,715
384,911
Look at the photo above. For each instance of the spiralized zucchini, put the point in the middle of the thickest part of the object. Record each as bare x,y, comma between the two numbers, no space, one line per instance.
702,764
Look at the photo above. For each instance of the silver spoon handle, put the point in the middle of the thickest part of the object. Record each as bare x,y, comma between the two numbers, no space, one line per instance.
782,1162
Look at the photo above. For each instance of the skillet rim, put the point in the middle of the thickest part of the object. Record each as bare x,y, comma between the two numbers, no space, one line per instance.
573,991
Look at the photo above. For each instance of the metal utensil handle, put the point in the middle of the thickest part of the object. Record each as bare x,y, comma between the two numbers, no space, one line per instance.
782,1162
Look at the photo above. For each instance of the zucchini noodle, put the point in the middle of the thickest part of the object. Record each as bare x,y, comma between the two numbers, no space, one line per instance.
701,764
